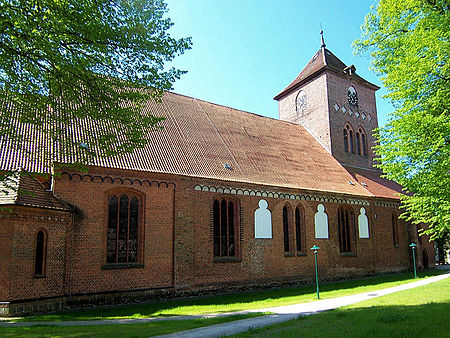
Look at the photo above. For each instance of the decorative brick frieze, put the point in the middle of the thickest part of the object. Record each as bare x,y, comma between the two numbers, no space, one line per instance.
387,204
281,195
121,180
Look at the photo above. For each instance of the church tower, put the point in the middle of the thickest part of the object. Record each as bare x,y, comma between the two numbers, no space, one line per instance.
335,105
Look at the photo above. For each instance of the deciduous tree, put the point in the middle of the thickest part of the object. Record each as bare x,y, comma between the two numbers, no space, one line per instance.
410,48
63,61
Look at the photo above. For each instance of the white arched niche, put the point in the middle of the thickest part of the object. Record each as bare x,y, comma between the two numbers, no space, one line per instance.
363,224
263,220
321,222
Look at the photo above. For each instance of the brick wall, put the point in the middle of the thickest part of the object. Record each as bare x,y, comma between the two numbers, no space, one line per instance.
337,86
90,272
315,119
6,246
177,238
264,259
25,222
325,123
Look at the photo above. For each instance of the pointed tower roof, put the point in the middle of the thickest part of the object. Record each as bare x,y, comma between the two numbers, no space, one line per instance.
323,60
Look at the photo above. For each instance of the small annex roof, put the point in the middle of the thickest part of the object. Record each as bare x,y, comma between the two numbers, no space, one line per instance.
323,60
206,140
24,190
376,185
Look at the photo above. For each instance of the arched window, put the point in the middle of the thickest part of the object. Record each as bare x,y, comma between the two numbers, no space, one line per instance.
225,225
288,233
286,229
123,229
352,149
300,102
364,144
395,229
300,230
358,143
348,139
361,142
40,258
346,225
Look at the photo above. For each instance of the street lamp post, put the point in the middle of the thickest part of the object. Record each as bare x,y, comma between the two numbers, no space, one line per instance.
413,247
315,248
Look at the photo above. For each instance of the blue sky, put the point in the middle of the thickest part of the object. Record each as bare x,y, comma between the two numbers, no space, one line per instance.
246,51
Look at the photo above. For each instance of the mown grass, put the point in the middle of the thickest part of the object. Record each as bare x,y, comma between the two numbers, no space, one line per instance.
420,312
116,330
234,302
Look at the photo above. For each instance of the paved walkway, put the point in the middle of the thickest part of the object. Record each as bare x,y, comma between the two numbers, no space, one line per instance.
280,313
285,313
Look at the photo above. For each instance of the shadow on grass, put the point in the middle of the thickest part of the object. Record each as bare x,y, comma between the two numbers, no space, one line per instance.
115,330
427,320
222,303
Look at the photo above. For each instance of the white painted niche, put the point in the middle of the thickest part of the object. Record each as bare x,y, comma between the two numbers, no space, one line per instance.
321,222
363,224
263,221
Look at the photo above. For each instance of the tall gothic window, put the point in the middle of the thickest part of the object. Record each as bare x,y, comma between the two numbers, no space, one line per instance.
358,143
361,142
288,231
225,225
40,258
122,238
348,139
395,229
300,230
364,144
346,221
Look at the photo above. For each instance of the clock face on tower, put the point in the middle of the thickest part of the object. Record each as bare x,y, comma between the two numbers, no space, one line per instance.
300,102
352,96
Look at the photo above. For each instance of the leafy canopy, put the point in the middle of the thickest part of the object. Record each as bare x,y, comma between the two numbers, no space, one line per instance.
62,61
410,48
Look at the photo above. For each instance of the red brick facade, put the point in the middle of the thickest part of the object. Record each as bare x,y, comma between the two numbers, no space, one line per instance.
175,221
177,248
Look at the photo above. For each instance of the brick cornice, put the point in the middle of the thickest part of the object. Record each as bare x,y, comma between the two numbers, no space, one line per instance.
121,180
283,195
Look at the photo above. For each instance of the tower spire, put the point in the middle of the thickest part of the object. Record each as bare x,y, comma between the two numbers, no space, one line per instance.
322,45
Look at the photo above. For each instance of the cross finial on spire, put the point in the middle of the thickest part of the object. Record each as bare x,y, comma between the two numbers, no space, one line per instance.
322,45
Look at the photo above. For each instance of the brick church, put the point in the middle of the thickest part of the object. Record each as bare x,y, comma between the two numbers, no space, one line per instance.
219,198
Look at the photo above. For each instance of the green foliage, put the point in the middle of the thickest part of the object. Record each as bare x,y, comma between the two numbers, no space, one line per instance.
63,62
410,48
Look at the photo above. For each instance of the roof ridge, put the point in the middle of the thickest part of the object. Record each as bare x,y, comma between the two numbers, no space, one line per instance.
229,107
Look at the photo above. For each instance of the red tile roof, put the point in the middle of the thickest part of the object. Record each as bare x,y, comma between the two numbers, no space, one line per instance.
202,139
374,183
26,191
321,61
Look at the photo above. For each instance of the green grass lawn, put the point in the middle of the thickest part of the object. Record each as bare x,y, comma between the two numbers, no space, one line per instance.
235,302
419,312
116,330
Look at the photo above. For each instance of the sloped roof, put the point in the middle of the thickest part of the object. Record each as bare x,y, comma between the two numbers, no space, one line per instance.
375,184
26,191
321,61
199,139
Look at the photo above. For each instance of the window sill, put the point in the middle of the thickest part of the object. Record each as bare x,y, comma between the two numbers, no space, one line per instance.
289,254
113,266
39,276
348,254
226,260
299,254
